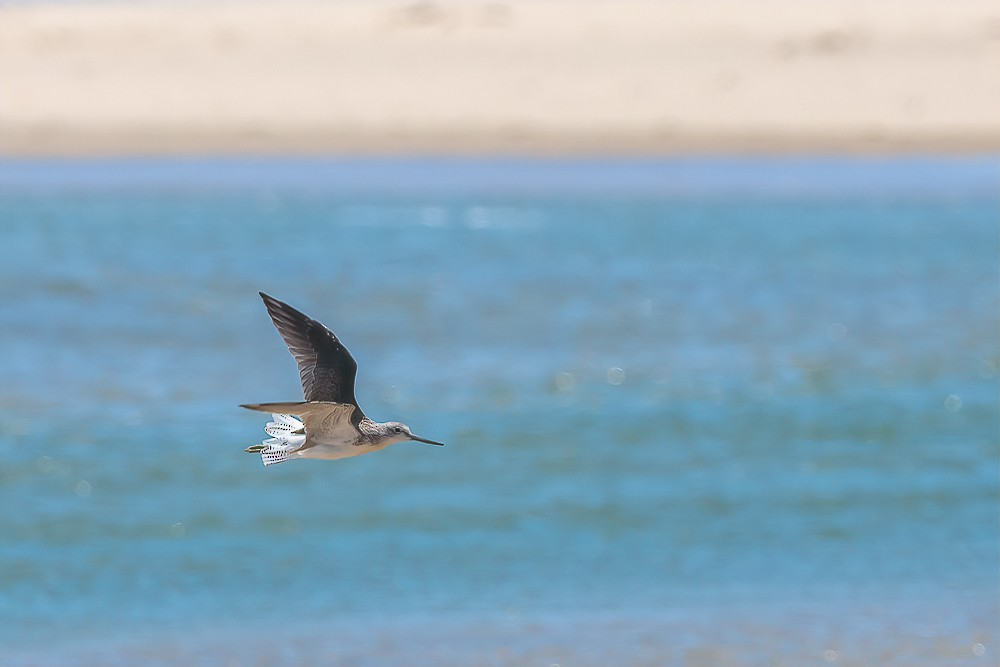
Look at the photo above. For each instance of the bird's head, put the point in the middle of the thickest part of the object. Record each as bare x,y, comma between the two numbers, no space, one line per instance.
399,432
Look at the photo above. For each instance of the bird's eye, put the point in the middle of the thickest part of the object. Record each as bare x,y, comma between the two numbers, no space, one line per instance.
397,429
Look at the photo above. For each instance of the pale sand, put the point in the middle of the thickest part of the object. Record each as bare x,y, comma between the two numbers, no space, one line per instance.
517,76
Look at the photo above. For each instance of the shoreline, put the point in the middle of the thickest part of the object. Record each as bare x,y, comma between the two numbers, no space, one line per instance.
175,142
510,77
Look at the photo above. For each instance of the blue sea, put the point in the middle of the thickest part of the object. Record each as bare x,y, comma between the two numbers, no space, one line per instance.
698,412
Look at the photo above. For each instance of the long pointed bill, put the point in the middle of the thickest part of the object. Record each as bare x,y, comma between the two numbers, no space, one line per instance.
429,442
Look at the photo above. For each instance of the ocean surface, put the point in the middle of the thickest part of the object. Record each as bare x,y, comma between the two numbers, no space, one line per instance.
697,412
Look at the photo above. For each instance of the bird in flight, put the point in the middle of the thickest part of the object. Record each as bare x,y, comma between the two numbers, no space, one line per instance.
328,424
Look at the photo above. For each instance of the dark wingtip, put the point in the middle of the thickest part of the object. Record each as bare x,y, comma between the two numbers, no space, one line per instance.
273,305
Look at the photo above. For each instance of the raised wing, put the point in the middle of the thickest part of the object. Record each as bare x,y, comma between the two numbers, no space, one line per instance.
326,368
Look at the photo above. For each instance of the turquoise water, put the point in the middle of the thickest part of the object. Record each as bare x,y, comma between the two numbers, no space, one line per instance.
697,413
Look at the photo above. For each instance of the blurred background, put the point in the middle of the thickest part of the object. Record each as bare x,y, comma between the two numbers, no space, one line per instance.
702,297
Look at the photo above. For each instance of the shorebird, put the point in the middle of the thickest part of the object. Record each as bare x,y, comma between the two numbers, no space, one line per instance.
332,425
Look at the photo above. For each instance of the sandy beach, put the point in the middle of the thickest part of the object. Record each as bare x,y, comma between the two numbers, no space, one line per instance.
561,77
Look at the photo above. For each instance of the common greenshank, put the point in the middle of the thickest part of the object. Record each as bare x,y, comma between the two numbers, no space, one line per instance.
328,424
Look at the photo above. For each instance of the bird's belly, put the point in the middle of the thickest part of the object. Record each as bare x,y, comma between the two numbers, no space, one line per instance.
340,450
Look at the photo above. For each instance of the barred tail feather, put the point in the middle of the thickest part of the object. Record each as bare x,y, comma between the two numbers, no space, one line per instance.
272,455
277,450
288,436
284,426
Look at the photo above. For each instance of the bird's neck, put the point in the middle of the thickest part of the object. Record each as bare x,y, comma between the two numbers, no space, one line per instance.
372,430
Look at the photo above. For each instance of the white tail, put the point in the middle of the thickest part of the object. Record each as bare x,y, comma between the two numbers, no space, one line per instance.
288,435
284,425
272,455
